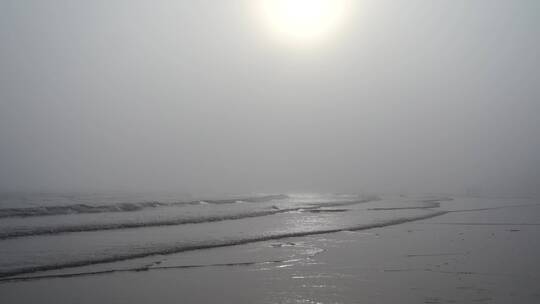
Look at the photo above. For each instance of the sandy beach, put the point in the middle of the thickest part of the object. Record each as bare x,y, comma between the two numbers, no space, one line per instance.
481,251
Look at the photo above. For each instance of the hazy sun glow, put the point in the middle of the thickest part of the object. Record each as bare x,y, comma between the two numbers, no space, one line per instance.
304,20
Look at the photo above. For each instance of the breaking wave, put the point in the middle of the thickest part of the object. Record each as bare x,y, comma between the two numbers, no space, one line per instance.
122,207
177,248
51,230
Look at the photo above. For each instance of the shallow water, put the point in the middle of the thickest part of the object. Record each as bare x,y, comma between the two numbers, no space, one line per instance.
33,242
465,250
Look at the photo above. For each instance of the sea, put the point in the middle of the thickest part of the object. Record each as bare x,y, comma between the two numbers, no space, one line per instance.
51,234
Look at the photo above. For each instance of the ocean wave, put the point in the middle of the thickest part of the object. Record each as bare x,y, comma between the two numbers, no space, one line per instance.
52,230
121,207
130,225
177,248
136,269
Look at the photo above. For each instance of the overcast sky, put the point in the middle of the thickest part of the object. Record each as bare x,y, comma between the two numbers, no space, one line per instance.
196,96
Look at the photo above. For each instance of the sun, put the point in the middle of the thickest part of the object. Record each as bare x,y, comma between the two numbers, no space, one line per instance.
304,20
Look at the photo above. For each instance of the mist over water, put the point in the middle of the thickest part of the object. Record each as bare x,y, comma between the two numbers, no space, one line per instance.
269,151
194,97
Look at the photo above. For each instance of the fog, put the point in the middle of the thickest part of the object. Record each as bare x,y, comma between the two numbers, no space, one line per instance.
195,96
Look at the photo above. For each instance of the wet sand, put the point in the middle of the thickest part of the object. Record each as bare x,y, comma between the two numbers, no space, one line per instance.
479,254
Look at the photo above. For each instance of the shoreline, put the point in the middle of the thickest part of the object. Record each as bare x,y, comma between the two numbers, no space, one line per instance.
484,256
